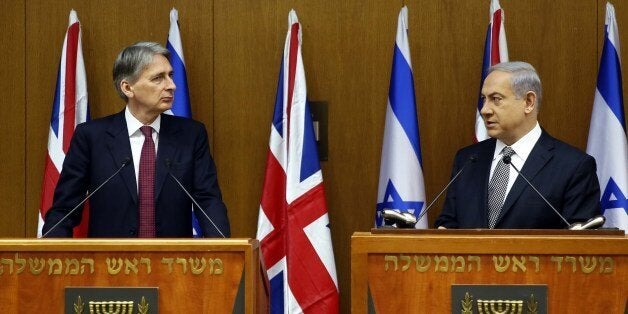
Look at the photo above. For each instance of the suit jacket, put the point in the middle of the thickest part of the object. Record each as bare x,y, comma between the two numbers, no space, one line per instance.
99,148
564,175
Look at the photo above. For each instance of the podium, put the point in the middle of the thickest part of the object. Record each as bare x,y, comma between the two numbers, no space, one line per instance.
188,275
418,271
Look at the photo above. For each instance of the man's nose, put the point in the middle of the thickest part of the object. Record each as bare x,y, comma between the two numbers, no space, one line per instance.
170,84
486,110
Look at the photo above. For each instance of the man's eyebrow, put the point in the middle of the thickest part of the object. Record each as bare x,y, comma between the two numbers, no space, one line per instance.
495,94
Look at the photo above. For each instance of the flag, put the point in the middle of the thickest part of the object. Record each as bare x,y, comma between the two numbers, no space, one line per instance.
69,108
495,51
293,225
401,184
607,133
181,105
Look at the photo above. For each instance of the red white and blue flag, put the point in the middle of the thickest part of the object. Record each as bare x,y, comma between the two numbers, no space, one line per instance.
495,51
293,224
607,133
68,110
401,184
181,106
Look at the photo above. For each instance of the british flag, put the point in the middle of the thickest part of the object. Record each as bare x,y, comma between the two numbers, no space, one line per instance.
495,51
293,225
69,108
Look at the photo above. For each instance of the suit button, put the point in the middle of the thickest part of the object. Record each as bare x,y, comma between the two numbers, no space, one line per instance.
132,232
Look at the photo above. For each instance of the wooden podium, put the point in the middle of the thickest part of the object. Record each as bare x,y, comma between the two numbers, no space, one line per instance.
191,275
417,271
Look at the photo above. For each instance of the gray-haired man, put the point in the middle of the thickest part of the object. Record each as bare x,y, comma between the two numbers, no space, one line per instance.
142,200
489,193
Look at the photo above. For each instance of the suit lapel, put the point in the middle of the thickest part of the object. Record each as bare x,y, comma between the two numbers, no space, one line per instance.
120,149
539,156
484,165
165,151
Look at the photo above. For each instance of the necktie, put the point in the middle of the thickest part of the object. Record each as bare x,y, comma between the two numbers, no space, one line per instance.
146,184
497,187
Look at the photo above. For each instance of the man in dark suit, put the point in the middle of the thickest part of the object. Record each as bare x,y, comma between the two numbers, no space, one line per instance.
143,200
489,193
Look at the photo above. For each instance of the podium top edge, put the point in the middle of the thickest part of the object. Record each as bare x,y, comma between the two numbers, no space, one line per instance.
498,232
479,241
106,244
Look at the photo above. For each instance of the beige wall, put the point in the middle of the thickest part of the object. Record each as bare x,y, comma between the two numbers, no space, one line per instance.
233,50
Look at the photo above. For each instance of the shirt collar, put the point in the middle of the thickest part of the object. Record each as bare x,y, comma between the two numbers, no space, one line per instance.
523,147
133,124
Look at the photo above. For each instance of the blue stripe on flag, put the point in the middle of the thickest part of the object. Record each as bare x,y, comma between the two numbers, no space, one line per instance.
276,294
609,80
181,105
278,113
402,99
309,160
54,118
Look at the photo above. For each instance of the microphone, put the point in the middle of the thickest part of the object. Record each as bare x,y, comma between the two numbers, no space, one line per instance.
403,220
125,162
594,222
473,158
168,163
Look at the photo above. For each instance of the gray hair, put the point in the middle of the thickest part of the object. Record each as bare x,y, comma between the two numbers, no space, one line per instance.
524,79
132,60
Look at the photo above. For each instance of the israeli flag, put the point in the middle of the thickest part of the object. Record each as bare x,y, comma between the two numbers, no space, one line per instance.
401,184
607,133
181,106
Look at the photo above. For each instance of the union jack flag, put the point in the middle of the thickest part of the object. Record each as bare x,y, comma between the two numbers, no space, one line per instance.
293,225
495,51
69,108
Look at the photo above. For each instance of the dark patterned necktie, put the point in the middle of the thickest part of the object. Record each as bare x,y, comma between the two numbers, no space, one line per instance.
146,184
497,187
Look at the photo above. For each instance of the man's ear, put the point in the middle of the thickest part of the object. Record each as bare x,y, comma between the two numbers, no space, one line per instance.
126,88
530,99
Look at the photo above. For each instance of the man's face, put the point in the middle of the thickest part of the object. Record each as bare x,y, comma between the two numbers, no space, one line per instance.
505,116
153,92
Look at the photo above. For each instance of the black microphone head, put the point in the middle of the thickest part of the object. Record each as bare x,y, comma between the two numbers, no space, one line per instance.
126,161
506,159
473,158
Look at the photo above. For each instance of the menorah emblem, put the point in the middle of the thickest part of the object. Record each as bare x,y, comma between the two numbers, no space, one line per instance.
111,307
500,306
116,301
